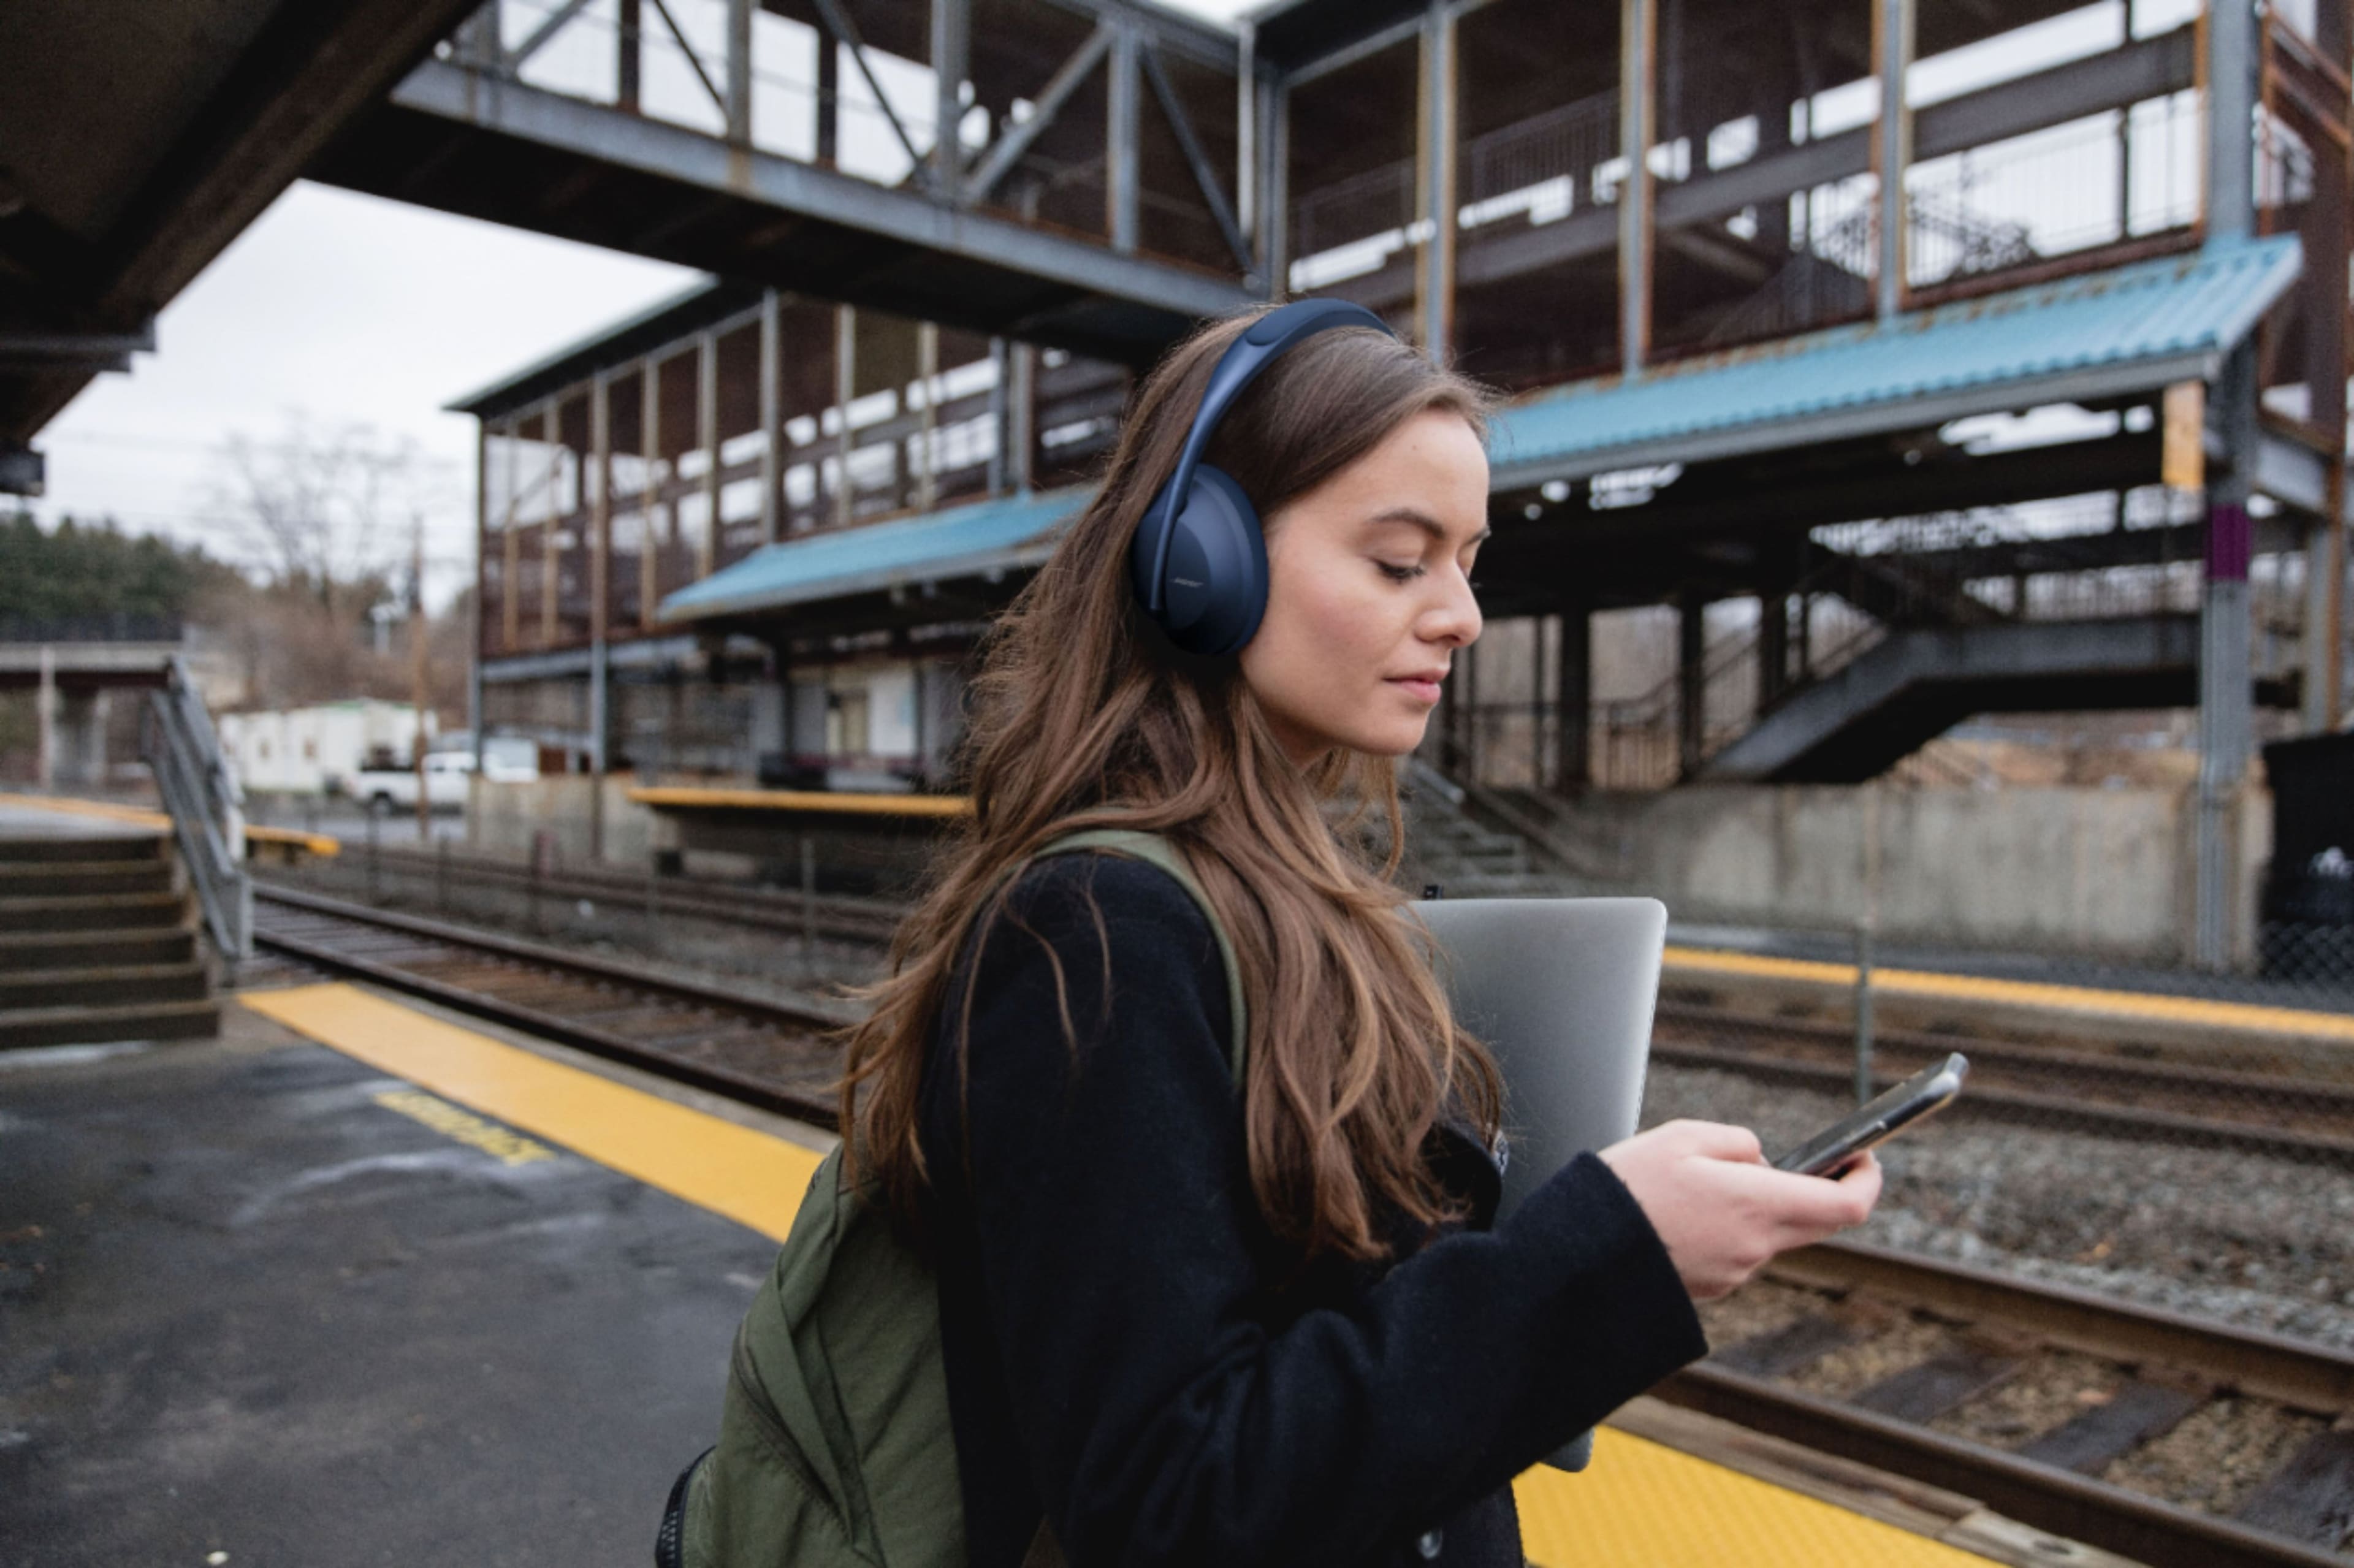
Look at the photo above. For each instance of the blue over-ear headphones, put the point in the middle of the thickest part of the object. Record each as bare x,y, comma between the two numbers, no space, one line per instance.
1198,562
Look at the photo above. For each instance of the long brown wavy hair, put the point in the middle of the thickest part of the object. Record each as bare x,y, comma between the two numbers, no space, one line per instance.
1083,715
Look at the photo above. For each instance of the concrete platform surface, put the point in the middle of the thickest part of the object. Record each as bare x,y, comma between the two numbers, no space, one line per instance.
258,1298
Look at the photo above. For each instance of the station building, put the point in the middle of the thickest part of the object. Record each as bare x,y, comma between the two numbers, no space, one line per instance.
1839,416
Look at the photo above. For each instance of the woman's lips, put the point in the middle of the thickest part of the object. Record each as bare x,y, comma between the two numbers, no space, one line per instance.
1427,690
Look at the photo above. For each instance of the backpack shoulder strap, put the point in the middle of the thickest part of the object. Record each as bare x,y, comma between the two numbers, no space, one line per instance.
1156,850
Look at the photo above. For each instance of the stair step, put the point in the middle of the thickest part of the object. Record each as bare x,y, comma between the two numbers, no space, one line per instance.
85,912
30,1026
21,951
94,987
73,847
53,878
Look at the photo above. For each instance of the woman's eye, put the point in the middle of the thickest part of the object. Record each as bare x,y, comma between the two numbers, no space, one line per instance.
1399,574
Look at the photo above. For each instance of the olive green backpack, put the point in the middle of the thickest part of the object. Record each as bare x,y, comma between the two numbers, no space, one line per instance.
835,1444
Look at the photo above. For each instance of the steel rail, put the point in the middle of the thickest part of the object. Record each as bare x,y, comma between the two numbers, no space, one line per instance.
2082,1507
768,1093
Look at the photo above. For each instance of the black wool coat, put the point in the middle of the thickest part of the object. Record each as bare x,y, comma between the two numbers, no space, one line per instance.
1128,1350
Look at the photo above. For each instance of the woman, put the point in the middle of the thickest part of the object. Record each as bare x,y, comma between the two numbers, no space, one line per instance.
1188,1324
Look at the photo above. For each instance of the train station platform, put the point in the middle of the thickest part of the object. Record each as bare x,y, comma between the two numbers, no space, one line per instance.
362,1283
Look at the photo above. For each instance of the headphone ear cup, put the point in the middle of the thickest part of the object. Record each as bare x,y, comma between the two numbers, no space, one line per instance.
1215,593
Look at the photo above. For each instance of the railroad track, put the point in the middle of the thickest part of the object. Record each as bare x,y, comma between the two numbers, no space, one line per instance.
2285,1115
2170,1441
759,1050
2173,1442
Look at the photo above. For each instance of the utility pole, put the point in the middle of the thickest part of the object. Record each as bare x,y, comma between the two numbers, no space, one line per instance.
417,674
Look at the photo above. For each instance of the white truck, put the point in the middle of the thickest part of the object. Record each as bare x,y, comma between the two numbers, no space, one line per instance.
385,790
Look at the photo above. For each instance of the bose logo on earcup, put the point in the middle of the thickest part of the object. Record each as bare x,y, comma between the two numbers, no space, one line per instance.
1220,524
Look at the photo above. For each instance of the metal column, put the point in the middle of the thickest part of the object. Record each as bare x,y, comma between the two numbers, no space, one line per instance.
1274,235
649,491
1691,681
845,387
2226,719
2231,119
1573,768
1434,259
740,72
706,421
600,545
1122,82
951,51
511,544
1022,419
481,596
550,579
772,414
928,428
1891,147
1638,65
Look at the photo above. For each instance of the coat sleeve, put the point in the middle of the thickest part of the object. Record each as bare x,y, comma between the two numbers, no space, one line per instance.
1165,1416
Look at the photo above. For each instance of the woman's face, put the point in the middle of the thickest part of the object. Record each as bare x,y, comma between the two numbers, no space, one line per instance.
1369,588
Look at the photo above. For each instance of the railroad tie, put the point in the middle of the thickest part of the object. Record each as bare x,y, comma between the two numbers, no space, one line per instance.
2311,1497
1922,1392
1788,1348
2134,1414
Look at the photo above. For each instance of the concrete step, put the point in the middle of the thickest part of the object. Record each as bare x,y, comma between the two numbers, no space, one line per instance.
30,879
97,987
30,1026
50,848
22,950
94,912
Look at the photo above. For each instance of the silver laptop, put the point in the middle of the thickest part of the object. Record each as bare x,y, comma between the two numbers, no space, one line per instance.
1561,991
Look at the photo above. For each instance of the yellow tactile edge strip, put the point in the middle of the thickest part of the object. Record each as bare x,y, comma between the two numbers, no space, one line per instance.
1642,1504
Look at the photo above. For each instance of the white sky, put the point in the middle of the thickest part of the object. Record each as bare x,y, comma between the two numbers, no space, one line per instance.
342,310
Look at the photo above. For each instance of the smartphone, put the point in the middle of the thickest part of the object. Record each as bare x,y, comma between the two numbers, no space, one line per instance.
1915,1100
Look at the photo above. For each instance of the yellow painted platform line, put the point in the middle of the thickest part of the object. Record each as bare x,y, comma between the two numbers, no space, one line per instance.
1641,1505
1644,1505
674,798
2184,1010
107,810
750,1177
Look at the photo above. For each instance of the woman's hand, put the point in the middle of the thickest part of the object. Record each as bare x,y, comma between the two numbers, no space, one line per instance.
1722,1211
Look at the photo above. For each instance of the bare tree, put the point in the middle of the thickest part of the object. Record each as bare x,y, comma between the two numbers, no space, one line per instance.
324,519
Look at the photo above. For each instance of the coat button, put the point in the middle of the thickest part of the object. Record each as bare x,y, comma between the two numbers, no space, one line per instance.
1428,1544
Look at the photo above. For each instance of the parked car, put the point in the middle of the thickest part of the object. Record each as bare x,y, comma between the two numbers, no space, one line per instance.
387,790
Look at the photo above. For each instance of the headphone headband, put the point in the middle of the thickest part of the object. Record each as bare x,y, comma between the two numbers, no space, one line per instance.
1258,347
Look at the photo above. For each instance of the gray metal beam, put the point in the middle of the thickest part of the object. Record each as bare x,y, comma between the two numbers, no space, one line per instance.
2151,67
1435,156
537,39
1205,177
1122,193
845,33
2232,46
1007,150
691,158
772,413
738,102
1893,147
1637,74
952,63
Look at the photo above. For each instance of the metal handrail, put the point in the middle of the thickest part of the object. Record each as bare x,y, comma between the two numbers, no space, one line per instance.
207,805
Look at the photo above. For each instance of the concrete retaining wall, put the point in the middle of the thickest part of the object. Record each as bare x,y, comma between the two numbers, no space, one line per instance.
2104,873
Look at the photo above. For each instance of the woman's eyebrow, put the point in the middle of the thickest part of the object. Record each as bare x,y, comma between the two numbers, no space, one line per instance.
1422,520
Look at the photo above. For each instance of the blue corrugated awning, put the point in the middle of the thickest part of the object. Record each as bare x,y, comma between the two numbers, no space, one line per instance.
1012,533
2101,334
